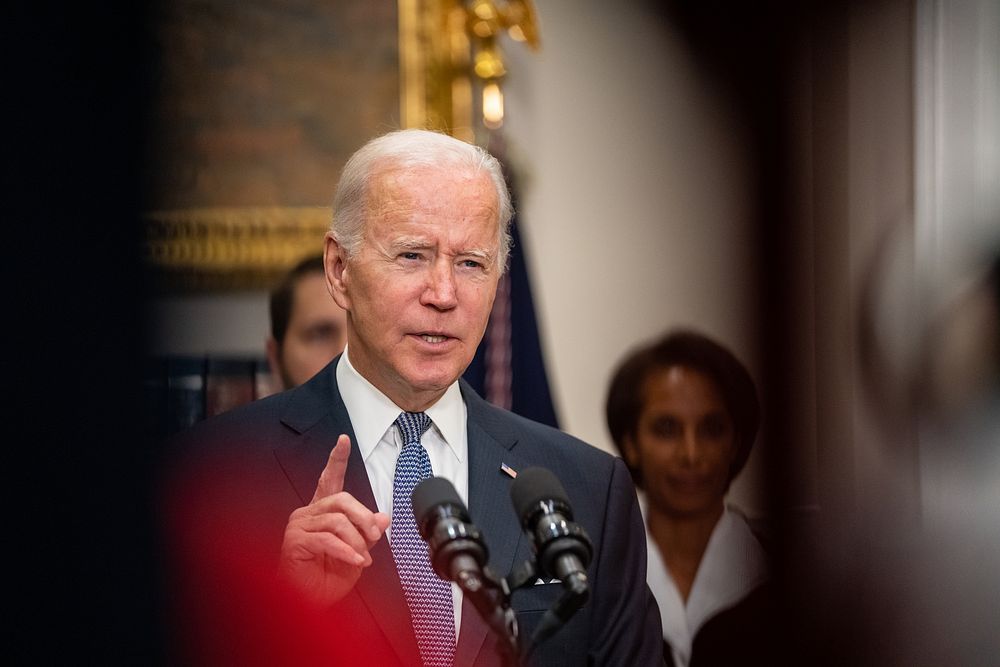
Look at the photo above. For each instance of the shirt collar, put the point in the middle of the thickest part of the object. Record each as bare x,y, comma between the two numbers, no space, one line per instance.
734,564
372,413
449,416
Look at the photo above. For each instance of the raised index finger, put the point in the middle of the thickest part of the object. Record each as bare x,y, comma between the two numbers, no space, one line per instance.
331,480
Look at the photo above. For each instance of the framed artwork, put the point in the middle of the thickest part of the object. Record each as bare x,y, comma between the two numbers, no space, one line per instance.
257,104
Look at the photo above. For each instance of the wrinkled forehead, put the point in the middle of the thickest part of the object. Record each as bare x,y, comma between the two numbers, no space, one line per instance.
396,190
412,179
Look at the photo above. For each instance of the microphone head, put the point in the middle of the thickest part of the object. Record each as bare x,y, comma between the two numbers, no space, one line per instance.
456,546
435,492
543,507
534,486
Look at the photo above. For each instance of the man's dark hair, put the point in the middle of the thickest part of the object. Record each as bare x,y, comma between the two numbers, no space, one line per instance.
284,293
689,349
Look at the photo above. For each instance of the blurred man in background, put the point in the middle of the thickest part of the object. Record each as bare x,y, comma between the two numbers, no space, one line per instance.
308,328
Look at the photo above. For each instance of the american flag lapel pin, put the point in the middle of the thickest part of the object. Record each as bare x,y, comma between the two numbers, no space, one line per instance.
510,471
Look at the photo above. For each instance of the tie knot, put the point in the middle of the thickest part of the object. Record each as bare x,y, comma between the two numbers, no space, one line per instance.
412,425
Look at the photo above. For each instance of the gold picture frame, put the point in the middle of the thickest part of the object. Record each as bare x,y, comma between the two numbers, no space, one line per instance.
246,142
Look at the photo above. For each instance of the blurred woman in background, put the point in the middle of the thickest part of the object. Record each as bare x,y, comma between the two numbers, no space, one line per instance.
684,414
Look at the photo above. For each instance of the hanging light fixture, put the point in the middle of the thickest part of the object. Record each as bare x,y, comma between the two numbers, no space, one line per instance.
487,21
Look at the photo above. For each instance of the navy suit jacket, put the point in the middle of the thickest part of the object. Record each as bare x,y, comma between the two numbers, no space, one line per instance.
269,455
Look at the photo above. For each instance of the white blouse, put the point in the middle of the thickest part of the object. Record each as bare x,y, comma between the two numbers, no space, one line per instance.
733,565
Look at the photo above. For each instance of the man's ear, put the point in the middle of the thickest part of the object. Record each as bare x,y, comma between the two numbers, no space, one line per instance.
335,268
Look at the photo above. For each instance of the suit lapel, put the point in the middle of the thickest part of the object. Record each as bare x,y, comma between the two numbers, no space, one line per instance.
491,443
316,411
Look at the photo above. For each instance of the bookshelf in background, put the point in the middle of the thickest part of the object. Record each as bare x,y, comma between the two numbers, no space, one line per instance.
182,390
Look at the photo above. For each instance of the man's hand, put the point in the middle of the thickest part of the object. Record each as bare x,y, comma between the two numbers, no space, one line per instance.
326,542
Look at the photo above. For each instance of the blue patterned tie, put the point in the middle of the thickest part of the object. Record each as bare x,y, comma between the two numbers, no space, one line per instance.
428,596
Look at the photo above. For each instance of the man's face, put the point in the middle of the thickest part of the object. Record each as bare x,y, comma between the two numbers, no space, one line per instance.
420,289
317,332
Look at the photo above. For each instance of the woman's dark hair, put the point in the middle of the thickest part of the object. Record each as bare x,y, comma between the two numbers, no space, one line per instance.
690,350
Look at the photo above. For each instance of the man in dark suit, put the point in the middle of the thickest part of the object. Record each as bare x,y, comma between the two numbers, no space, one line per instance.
313,475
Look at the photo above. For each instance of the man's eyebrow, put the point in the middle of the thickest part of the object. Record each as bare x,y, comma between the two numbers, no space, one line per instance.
322,325
411,242
478,253
417,243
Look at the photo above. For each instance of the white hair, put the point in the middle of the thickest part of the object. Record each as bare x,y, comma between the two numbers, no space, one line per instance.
409,149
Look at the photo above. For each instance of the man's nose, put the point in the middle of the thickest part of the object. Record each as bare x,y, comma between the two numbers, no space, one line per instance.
441,290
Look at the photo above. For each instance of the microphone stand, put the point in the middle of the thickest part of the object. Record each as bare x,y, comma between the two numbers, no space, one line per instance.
490,595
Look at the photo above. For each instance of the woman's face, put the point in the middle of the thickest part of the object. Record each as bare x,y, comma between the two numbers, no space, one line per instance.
684,444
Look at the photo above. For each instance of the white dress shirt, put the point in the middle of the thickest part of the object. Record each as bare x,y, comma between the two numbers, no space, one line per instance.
733,565
373,416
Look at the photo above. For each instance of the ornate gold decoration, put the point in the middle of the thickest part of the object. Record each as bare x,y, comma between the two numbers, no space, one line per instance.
231,247
452,65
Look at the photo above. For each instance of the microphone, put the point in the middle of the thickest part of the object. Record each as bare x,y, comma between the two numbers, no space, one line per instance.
458,552
562,548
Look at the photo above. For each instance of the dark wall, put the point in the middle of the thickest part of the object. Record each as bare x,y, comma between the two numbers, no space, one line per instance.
78,467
